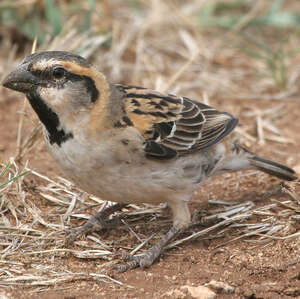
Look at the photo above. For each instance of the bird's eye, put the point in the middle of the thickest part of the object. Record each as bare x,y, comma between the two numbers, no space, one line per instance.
58,73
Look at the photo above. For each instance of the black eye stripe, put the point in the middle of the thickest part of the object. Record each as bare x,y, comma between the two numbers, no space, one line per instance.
48,75
91,87
89,83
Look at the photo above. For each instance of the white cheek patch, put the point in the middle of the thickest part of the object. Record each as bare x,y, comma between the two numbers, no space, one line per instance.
72,96
53,96
58,99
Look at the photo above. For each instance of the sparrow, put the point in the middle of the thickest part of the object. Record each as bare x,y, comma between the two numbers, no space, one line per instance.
129,144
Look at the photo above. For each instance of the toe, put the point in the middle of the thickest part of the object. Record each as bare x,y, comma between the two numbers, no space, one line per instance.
130,265
142,261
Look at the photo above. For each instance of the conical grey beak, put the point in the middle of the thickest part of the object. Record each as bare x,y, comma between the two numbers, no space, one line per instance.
20,80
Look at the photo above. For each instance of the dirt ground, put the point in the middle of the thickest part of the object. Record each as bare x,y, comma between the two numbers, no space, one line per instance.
267,270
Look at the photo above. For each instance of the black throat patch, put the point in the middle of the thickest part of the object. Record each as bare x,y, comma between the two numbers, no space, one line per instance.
49,119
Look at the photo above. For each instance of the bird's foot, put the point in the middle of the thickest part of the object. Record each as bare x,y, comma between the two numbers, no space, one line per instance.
143,260
148,258
96,222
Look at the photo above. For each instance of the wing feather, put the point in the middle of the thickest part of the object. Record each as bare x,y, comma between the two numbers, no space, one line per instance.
174,126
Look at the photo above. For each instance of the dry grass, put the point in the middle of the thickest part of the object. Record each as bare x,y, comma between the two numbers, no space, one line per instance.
169,52
29,235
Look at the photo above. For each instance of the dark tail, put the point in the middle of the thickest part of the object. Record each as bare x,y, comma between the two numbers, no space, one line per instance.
273,168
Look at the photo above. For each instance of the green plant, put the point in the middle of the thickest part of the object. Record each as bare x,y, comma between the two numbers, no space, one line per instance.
274,58
263,28
6,177
230,14
47,18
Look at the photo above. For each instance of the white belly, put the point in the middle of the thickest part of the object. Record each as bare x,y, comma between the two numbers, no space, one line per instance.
122,173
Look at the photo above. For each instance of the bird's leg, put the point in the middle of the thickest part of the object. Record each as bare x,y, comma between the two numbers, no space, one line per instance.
96,222
181,219
147,259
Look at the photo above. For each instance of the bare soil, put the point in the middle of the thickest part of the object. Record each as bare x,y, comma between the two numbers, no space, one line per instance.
267,270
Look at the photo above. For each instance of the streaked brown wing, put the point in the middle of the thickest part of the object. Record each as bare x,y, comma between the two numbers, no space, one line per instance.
174,126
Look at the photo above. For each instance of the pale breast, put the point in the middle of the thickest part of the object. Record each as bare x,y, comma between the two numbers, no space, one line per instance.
116,169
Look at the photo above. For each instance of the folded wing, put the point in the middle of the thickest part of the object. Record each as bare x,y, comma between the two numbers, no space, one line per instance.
174,126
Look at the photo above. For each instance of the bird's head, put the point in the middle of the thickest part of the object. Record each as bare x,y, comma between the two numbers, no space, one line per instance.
62,87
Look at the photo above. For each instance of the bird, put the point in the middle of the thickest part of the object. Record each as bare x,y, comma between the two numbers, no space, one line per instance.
129,144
